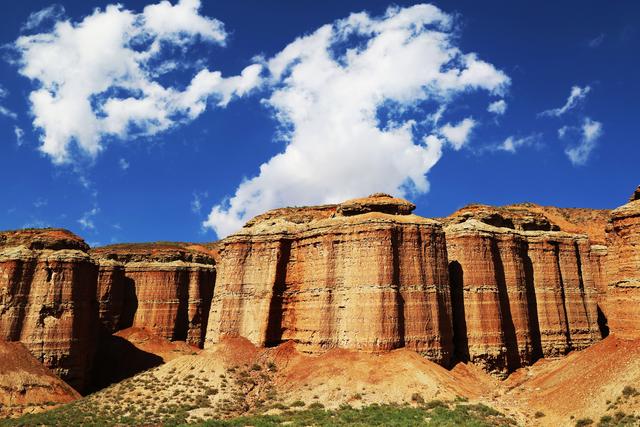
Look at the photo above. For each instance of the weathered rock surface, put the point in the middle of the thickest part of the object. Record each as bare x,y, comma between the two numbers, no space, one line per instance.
623,270
47,299
364,275
521,289
26,385
163,287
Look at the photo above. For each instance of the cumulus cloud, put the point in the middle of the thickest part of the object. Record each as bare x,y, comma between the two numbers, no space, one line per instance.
513,144
589,133
346,97
98,78
498,107
458,134
124,164
577,95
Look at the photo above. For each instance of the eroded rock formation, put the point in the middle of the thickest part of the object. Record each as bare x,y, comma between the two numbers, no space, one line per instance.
163,287
623,269
47,299
521,288
365,275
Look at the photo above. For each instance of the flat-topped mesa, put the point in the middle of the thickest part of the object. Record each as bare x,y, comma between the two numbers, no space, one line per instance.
623,269
520,288
47,299
163,287
364,274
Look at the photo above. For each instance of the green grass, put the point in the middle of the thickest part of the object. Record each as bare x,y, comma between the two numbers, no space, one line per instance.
375,415
450,414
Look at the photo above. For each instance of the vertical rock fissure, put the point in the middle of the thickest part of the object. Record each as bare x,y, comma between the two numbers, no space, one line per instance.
273,334
460,338
532,305
207,288
583,296
395,242
567,332
506,319
181,326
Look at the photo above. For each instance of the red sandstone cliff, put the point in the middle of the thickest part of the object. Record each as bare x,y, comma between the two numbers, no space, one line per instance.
521,288
47,299
163,287
365,275
623,269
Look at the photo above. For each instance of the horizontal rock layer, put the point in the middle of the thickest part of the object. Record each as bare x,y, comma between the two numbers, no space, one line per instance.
334,278
47,300
623,270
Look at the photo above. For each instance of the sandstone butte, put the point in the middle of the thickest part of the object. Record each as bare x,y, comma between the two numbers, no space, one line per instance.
498,286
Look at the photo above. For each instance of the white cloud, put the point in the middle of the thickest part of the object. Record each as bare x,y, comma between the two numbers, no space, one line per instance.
498,107
328,90
98,77
36,19
86,221
19,133
459,134
124,164
196,202
590,132
596,41
3,110
40,202
512,144
577,95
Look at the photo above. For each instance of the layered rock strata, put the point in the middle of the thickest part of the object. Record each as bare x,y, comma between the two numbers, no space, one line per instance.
623,269
48,299
520,289
165,288
365,275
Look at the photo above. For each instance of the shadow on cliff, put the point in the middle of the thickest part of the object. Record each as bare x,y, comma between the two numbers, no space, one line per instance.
118,359
460,339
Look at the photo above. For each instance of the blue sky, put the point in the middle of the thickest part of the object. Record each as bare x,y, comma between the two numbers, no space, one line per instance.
393,100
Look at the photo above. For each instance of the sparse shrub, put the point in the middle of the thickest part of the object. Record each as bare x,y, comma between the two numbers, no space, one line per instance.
316,405
417,397
256,367
629,391
539,414
271,366
583,422
357,396
298,403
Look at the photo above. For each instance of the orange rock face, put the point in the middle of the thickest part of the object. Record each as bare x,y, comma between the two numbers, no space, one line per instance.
521,289
165,288
623,270
47,299
365,275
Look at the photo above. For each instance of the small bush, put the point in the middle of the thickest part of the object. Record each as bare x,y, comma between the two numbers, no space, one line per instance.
539,414
583,422
298,403
417,397
629,391
316,405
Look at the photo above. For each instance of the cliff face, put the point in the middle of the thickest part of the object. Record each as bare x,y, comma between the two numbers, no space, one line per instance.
623,269
47,299
164,288
365,275
521,288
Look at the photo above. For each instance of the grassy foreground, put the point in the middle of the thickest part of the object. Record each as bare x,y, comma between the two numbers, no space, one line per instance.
434,413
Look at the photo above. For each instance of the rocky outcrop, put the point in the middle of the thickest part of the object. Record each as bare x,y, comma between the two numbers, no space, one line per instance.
623,269
521,289
26,386
163,287
364,275
47,299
